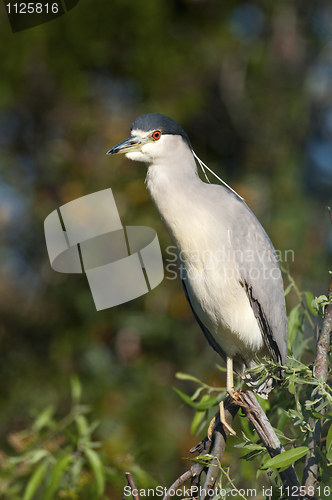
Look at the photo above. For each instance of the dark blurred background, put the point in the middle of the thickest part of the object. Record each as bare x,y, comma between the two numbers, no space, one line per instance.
251,83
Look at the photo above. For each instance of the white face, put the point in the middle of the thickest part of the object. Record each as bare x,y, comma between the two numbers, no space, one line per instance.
143,154
154,146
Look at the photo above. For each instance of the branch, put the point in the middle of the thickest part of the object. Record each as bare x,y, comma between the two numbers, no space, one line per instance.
194,472
203,448
132,486
264,429
321,360
329,209
179,482
219,443
320,367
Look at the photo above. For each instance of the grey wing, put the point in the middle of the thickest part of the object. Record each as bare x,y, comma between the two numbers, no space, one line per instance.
213,343
261,276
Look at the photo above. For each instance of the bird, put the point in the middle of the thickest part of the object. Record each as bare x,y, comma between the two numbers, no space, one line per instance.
228,266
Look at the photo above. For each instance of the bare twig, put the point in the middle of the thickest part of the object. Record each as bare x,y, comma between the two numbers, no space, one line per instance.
203,448
329,209
321,360
320,366
132,486
179,482
219,443
232,484
194,472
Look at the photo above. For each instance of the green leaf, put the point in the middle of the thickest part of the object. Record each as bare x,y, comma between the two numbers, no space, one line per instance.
140,475
329,455
286,458
76,388
319,304
82,425
35,481
309,296
294,415
293,324
319,300
305,381
197,393
213,400
185,376
309,403
252,454
93,426
329,439
199,415
198,422
247,434
97,468
288,289
44,418
95,444
251,447
280,434
202,459
291,386
298,348
56,475
283,419
36,455
83,408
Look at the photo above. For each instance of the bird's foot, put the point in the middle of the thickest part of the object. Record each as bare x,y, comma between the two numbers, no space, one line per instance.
232,394
211,428
236,397
223,419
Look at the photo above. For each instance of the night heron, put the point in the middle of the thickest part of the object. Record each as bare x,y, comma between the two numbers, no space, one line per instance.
228,266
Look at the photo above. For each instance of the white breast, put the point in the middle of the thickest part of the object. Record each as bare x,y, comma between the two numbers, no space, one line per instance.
207,264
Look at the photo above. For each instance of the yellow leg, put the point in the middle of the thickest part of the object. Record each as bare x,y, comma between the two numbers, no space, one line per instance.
229,376
230,391
223,419
210,428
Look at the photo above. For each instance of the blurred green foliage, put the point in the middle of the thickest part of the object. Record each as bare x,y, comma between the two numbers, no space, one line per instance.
246,93
59,459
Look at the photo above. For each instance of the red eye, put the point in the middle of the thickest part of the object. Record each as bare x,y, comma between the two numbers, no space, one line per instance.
156,135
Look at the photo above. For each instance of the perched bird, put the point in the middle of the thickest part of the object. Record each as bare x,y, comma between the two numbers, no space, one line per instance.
228,266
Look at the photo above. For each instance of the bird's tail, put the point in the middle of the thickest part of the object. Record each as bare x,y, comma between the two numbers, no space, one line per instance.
261,386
